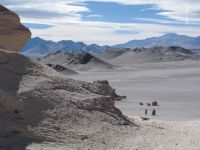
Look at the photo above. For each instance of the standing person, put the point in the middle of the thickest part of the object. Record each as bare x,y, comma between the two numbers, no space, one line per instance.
153,112
145,111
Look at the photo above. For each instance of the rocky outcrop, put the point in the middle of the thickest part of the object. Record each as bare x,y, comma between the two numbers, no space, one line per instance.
37,104
62,69
77,61
13,35
82,58
106,89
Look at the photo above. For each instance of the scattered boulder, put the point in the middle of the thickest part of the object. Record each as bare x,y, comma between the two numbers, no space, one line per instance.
84,137
141,103
155,103
148,104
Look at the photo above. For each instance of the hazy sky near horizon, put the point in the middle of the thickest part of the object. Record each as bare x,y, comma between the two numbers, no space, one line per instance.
107,21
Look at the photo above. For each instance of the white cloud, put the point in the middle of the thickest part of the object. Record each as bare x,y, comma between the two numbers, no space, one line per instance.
68,23
105,32
94,16
165,21
174,9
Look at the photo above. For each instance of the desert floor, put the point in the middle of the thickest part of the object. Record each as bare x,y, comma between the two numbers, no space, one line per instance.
175,85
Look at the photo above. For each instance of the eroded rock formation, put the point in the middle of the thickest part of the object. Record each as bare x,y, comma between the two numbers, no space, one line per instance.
37,105
13,35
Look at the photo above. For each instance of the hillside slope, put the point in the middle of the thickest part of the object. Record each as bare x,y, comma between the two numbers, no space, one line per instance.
77,61
155,54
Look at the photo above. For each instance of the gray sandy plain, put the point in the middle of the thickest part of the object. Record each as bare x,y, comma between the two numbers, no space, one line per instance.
175,85
167,75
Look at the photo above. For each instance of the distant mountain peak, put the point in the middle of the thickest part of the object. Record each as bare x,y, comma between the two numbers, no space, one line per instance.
37,38
171,34
43,47
170,39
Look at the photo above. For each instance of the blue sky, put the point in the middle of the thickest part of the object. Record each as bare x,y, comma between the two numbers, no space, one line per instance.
107,21
118,13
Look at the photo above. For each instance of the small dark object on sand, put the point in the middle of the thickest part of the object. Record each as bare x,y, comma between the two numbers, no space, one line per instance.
155,103
148,104
145,111
153,112
141,103
84,137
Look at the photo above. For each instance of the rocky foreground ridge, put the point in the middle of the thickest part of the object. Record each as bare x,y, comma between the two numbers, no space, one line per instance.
38,105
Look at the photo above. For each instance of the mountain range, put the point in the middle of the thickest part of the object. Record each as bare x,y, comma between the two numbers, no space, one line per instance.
40,47
114,58
149,55
171,39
